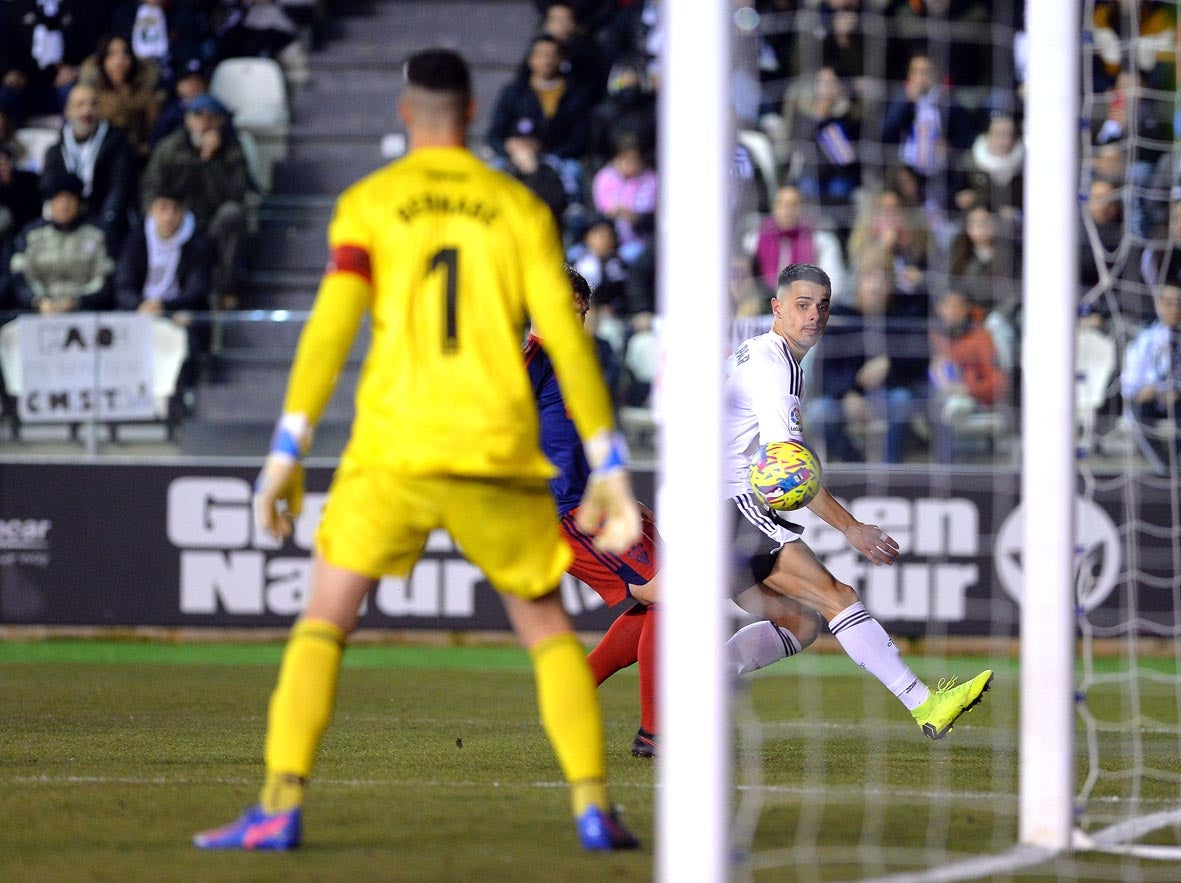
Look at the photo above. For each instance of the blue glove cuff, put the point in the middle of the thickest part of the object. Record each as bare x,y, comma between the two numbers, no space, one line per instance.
617,454
284,443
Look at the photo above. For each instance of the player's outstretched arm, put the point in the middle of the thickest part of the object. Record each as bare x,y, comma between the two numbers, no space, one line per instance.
609,510
868,539
323,348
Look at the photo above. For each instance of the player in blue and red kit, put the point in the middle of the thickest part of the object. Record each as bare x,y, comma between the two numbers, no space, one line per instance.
633,573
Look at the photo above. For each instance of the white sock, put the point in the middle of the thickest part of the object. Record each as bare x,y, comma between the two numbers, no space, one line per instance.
759,644
869,646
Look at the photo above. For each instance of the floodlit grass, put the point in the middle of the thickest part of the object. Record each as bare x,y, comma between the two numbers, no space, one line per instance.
435,768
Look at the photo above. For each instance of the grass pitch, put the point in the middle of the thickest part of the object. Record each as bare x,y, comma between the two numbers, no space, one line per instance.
435,768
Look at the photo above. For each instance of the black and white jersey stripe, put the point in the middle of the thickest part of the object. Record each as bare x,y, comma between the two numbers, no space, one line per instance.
796,387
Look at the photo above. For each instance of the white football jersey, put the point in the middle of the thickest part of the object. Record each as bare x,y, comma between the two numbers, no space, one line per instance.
763,391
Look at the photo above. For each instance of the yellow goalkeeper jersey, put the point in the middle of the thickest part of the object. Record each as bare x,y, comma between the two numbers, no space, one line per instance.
460,258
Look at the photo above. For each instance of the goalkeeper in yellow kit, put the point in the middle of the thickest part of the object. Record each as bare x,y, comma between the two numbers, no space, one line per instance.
452,260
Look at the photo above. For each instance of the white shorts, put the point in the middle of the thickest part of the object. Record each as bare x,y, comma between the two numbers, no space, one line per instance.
757,536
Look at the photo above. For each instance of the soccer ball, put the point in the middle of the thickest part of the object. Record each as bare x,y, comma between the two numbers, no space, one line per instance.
785,475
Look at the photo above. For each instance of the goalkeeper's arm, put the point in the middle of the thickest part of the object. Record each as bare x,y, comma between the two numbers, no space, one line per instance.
324,345
608,510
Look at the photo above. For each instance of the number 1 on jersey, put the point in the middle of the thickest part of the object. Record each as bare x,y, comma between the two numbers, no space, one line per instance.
448,258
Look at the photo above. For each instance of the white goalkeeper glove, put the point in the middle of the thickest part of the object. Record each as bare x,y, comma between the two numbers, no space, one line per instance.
278,491
609,510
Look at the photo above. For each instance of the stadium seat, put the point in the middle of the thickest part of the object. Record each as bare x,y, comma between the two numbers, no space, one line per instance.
255,91
250,150
36,140
763,154
1096,360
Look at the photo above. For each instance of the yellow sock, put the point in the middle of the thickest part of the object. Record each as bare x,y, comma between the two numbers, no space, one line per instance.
592,792
300,709
571,718
281,792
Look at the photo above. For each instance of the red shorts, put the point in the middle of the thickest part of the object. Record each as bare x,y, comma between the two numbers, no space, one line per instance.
610,575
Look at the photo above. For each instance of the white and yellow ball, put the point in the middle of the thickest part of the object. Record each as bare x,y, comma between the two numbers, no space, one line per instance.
785,475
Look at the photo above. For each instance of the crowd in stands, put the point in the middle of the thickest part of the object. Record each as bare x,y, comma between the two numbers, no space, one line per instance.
139,202
895,128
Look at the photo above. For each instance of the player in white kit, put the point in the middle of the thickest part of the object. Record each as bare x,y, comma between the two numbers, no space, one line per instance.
773,573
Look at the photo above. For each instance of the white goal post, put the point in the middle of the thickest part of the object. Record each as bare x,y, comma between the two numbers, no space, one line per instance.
695,788
694,797
1050,296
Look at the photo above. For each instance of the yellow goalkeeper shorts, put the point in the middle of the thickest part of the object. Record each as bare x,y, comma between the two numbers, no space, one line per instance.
376,522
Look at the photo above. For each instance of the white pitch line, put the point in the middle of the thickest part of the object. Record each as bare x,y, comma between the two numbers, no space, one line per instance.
975,868
845,795
164,781
842,794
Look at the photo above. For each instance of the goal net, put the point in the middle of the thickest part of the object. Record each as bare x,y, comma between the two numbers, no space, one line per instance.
884,142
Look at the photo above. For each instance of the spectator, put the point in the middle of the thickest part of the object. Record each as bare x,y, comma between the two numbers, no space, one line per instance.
625,190
628,111
126,88
1151,379
1105,36
8,139
164,271
951,29
992,172
164,267
1109,162
639,357
1157,124
98,154
61,264
42,42
1106,212
926,125
192,80
825,129
978,252
885,223
20,202
1160,263
597,259
1156,44
262,28
748,296
582,64
843,47
206,164
1131,104
1164,186
873,364
965,376
779,45
191,35
537,172
593,14
786,238
149,34
541,103
647,34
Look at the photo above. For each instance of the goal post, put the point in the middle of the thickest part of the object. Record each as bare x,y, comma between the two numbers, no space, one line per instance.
694,797
1050,288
